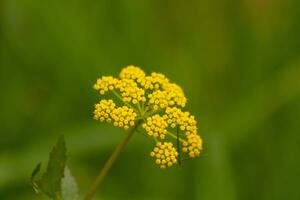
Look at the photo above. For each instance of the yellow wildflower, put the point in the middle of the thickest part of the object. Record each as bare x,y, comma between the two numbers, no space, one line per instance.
158,99
132,72
156,126
185,121
193,146
154,82
155,102
107,111
130,92
165,154
103,110
105,84
175,94
123,117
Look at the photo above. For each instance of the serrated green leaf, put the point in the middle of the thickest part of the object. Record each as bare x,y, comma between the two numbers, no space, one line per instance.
69,186
50,182
33,175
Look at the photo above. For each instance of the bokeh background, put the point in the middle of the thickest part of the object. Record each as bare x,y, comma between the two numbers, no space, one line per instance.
237,60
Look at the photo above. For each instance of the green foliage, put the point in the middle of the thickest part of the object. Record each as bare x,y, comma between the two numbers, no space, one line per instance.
33,176
50,182
57,182
69,186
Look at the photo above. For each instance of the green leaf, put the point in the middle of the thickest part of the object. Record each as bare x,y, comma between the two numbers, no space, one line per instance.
69,186
33,176
50,182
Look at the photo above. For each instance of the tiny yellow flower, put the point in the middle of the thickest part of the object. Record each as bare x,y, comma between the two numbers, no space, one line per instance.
156,126
130,91
159,104
154,82
185,121
132,72
103,110
193,146
175,93
165,154
107,111
105,84
123,117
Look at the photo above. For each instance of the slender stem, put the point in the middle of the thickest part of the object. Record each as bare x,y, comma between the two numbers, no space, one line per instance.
139,108
91,192
175,137
143,107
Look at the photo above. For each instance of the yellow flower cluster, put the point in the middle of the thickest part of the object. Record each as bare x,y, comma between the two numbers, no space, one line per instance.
154,82
193,146
123,117
172,95
130,91
187,123
132,72
156,126
159,99
158,103
165,154
105,84
175,94
103,110
184,120
107,111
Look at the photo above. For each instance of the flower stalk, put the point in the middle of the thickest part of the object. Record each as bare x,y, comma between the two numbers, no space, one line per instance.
109,163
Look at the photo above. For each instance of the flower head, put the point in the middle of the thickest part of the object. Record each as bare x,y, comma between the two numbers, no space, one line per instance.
132,72
105,84
165,154
158,103
107,111
103,110
156,126
130,91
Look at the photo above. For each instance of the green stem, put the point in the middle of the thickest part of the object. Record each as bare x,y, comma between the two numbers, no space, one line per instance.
139,108
175,137
91,192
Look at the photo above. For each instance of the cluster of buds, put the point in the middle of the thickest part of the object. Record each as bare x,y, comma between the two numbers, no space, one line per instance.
156,101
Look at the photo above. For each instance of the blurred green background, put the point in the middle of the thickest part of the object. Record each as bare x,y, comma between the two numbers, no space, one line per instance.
238,62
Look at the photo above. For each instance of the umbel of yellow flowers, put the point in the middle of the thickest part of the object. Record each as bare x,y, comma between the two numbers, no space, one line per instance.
158,103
